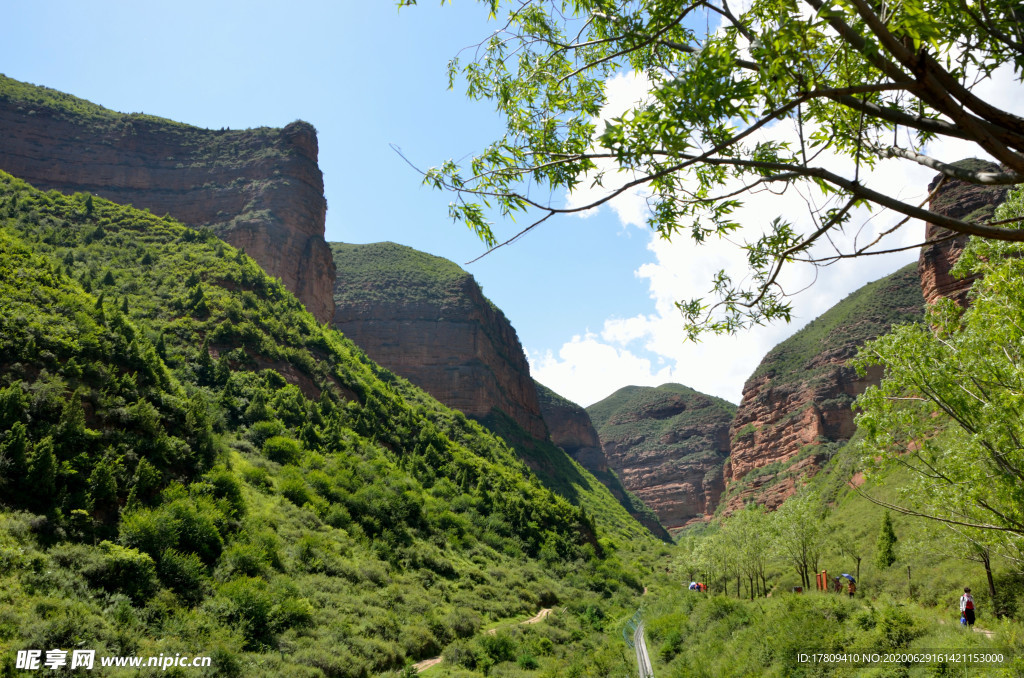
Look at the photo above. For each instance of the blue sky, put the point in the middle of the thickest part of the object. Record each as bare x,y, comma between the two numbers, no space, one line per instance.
590,298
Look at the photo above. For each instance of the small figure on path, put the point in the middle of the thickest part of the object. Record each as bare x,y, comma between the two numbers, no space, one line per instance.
851,588
967,606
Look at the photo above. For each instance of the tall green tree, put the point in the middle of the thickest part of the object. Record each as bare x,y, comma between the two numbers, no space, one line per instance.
949,409
851,83
885,547
800,535
749,533
42,474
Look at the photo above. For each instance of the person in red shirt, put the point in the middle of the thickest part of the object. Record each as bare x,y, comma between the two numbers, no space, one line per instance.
967,606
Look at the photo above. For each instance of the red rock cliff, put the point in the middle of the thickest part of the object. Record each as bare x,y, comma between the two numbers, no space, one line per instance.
427,320
960,200
259,189
668,445
573,431
798,400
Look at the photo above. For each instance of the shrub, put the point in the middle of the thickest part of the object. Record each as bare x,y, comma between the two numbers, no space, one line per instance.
418,642
293,488
258,477
262,431
463,622
224,485
147,531
244,558
460,653
500,647
895,628
186,524
338,516
282,450
195,524
528,662
184,574
246,604
126,570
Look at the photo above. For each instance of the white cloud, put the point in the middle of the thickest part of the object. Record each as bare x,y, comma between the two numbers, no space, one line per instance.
588,369
648,348
622,93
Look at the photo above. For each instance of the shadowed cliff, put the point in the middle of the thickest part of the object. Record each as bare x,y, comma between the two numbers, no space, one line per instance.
258,189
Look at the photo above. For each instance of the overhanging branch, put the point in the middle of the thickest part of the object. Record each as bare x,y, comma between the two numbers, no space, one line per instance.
985,178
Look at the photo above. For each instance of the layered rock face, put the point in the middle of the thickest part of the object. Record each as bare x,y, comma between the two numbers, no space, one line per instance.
960,200
571,429
798,401
259,189
426,319
668,445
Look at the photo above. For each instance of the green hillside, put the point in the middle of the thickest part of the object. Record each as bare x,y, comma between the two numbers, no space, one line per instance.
564,476
189,462
629,501
386,272
633,404
837,333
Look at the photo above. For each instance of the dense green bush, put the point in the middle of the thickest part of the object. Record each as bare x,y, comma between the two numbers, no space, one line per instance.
247,516
282,450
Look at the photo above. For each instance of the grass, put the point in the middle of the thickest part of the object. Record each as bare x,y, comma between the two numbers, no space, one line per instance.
388,273
863,315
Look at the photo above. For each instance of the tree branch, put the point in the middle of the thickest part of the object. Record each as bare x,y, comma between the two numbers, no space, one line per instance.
984,178
910,512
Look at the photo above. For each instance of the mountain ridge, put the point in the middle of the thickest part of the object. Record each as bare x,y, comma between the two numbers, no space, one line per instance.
260,189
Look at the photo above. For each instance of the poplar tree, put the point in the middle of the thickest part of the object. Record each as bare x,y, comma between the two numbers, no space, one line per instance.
885,548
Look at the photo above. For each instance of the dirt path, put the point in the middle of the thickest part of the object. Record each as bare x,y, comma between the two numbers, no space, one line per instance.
426,664
977,629
535,619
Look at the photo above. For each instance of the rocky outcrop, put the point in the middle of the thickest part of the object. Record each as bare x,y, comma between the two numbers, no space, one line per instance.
669,446
797,404
427,320
571,429
258,189
960,200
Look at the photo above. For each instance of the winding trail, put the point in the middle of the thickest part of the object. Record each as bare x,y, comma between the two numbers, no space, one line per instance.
426,664
434,661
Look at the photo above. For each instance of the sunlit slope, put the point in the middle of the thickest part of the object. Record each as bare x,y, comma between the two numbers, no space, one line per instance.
191,462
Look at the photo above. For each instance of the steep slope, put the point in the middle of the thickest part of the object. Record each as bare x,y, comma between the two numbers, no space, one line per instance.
572,430
668,445
960,200
211,468
796,405
260,189
427,319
